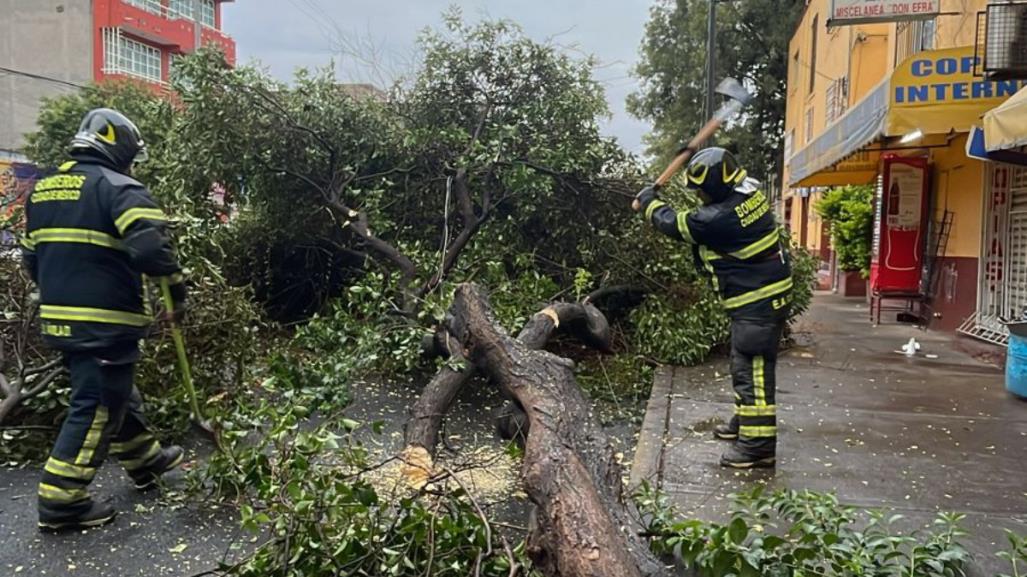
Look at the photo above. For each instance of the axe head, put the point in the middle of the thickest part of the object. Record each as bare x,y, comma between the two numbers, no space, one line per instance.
734,90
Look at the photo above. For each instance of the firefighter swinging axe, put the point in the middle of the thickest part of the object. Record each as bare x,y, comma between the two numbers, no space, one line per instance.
738,97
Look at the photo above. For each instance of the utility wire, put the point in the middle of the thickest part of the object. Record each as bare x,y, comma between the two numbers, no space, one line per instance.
40,77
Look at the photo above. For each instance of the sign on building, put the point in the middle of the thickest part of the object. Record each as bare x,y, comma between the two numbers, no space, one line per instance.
846,12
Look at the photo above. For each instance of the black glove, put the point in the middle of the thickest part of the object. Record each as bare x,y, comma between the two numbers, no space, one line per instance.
178,300
647,195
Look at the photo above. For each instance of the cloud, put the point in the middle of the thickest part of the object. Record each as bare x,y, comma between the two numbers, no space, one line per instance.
286,34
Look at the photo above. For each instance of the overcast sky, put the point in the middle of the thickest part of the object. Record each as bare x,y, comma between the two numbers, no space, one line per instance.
285,34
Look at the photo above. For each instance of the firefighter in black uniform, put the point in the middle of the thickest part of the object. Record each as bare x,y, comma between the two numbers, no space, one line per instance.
92,233
737,241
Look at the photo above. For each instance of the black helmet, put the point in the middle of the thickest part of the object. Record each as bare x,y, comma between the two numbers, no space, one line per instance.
715,172
111,136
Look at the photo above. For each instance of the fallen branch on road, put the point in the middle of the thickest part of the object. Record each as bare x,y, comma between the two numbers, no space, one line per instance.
583,524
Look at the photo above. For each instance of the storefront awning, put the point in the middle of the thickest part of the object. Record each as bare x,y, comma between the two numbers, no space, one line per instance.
933,92
862,124
1005,126
975,148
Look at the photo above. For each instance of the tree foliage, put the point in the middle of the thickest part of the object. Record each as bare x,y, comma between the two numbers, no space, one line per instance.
752,45
789,533
850,212
362,212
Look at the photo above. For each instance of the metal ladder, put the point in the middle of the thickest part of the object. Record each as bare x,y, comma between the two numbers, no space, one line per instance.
936,250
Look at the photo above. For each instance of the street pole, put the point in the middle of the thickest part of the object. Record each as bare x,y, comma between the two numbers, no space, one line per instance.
711,55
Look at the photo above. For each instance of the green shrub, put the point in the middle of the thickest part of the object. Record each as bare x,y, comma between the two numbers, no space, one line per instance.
802,533
850,212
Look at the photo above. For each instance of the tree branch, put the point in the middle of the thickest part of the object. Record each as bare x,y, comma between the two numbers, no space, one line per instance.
40,385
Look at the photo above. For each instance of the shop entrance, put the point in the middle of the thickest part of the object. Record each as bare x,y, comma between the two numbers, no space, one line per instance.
1002,282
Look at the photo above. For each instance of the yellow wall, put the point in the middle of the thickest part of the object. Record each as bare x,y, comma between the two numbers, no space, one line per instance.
958,184
865,55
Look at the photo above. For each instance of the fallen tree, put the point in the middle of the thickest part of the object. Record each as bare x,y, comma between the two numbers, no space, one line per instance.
583,524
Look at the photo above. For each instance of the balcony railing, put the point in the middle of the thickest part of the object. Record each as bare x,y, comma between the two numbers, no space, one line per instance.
166,10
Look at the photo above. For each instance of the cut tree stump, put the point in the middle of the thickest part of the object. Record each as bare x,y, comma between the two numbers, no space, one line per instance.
583,525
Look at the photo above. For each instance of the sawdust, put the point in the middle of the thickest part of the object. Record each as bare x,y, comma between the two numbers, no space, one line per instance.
490,474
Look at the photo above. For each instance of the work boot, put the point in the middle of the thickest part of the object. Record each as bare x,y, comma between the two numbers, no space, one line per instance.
98,514
165,461
735,458
727,431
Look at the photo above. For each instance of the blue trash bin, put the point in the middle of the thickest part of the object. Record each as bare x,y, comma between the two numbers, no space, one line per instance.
1016,364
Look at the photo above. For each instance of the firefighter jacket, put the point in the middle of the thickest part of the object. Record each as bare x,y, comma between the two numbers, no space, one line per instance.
738,243
92,234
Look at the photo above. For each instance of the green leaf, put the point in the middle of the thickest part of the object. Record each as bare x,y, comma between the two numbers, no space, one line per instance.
738,530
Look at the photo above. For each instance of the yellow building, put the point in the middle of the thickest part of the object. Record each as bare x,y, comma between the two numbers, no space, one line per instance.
908,89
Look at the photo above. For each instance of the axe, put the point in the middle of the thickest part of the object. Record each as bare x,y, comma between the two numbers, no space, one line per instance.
739,99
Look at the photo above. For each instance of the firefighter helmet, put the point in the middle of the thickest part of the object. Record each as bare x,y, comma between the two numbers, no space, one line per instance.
715,172
110,135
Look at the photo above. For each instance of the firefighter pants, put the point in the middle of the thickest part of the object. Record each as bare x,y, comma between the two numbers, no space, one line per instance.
754,346
104,415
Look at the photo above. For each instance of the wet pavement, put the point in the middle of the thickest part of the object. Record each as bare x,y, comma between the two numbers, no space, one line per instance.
162,536
155,534
914,435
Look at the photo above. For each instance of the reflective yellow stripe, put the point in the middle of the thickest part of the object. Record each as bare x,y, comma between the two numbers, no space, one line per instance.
133,214
28,244
695,176
758,246
759,294
52,493
177,278
759,411
709,256
85,454
652,208
135,443
67,166
76,235
61,469
751,431
759,380
88,315
133,464
683,227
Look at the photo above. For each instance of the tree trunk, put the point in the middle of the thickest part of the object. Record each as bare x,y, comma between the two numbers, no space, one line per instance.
583,525
422,428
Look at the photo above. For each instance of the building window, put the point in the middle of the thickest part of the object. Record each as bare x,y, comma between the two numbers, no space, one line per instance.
789,143
813,52
126,56
837,99
927,31
793,79
207,13
181,9
913,37
151,6
202,11
809,125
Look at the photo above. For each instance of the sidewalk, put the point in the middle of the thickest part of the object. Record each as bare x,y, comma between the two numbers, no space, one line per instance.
883,431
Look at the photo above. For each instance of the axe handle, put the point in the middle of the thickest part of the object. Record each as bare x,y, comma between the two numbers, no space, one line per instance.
704,134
